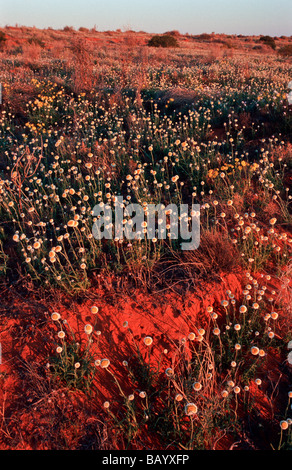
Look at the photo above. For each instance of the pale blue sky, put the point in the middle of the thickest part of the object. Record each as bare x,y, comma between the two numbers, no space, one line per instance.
273,17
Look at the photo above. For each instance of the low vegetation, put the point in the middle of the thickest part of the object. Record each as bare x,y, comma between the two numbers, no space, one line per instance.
149,346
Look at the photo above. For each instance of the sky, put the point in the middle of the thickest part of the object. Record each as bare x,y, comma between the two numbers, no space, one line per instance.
249,17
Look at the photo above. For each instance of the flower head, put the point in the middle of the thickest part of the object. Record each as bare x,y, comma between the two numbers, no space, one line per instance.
104,363
148,340
55,316
255,350
88,329
191,409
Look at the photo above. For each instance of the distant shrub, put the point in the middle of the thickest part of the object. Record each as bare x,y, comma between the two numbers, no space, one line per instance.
37,41
269,41
2,39
174,33
68,29
286,51
83,30
163,41
205,36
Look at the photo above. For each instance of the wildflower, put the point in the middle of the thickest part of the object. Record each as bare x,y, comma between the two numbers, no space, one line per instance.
255,350
224,303
104,363
274,315
192,336
224,393
88,329
178,397
148,340
106,404
94,309
216,331
131,397
236,389
233,364
55,316
237,347
271,334
142,394
197,386
169,372
284,424
273,221
191,409
242,309
77,365
125,324
59,349
61,334
258,381
237,327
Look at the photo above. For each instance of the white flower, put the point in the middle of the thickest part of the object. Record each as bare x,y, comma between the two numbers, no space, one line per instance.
190,409
88,329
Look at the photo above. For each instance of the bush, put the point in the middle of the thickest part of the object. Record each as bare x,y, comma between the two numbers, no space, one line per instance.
37,41
2,39
286,51
205,36
269,41
68,29
174,33
163,41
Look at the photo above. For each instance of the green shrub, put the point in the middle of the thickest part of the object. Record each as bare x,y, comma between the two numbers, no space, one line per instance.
163,41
